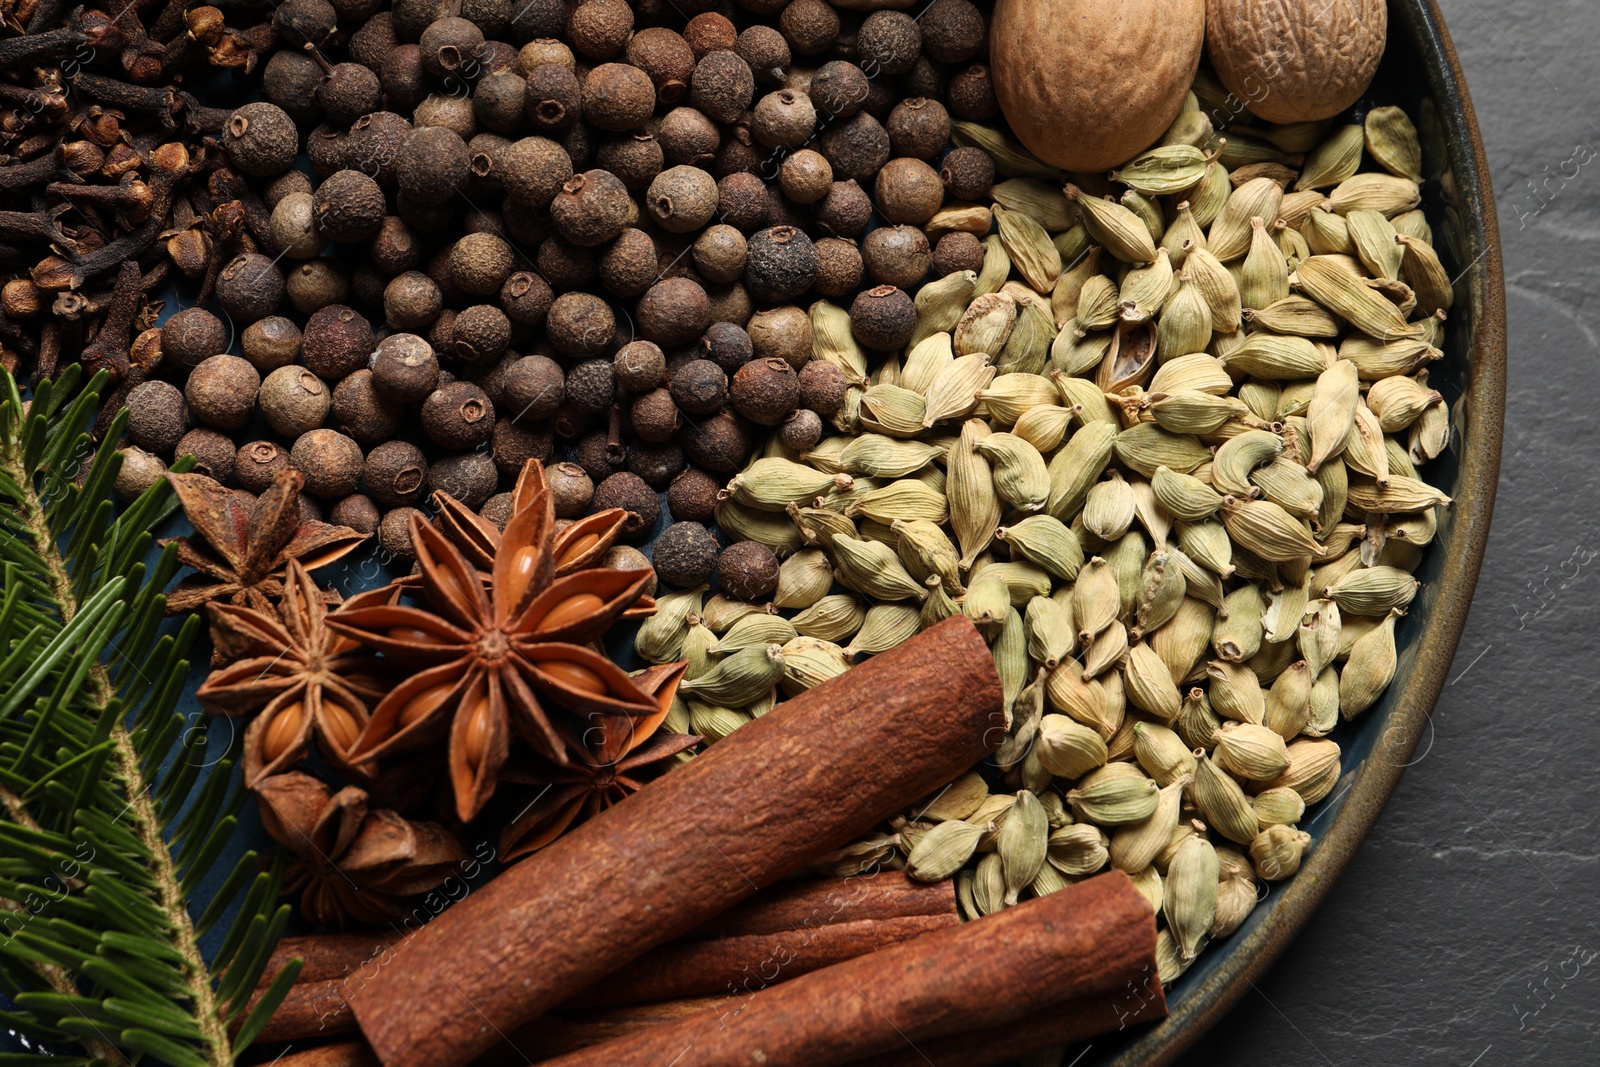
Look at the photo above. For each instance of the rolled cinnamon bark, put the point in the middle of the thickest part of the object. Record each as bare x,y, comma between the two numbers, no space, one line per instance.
803,779
1083,944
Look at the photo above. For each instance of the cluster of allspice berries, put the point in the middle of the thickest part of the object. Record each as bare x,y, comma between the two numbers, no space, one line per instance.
585,233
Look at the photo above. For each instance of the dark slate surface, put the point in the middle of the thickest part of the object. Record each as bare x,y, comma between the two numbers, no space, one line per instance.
1465,932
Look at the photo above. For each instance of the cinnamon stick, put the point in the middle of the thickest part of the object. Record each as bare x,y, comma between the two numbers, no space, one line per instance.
805,778
1084,943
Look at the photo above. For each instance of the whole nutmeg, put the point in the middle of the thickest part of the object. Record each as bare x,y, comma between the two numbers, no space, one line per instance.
1316,59
571,490
722,85
822,387
1114,84
682,199
630,493
639,366
404,368
897,255
331,462
213,452
395,473
747,570
692,496
591,208
883,317
221,392
195,334
801,430
294,226
261,140
348,206
685,555
257,463
294,401
157,416
458,415
618,97
781,333
909,191
780,264
673,312
765,391
699,387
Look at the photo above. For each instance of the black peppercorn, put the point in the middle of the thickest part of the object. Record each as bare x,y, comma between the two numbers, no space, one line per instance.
839,267
629,492
765,391
781,333
533,170
580,324
257,463
331,462
692,496
534,388
404,368
722,85
349,91
883,318
822,387
672,312
513,444
764,51
967,173
666,57
361,412
598,29
654,416
261,140
783,119
157,416
571,490
657,464
194,334
845,211
838,88
221,392
780,264
810,26
897,255
213,452
970,95
719,443
747,570
628,267
470,477
618,97
742,202
719,253
957,250
526,298
685,555
591,208
250,287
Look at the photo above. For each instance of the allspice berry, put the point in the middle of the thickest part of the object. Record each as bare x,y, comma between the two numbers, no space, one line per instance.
591,208
458,416
294,226
699,387
534,388
654,416
908,191
967,173
221,392
925,81
688,137
838,88
857,147
781,333
497,510
552,97
358,512
952,30
617,96
629,266
839,267
780,264
673,312
433,164
685,555
394,532
580,324
783,119
348,206
822,387
845,211
719,253
598,29
192,335
709,31
250,287
747,570
338,341
635,159
261,140
897,255
294,401
268,343
765,52
411,301
889,41
801,430
727,345
534,169
362,412
883,317
470,477
630,493
918,127
480,264
692,496
257,463
810,26
628,558
138,472
742,201
682,199
722,85
404,368
157,416
313,284
667,58
526,298
512,445
719,443
970,94
639,366
213,452
571,490
765,391
480,334
957,250
395,472
657,464
805,176
590,386
331,462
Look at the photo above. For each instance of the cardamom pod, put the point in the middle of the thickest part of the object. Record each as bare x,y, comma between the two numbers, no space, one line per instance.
1276,358
1222,802
1165,758
1049,628
1387,193
1374,239
974,504
1029,247
943,851
1264,528
1229,235
1277,852
1046,542
1190,902
1078,850
810,661
1162,587
1022,844
1421,269
1264,275
1165,170
1369,670
660,636
1114,227
893,410
955,390
740,679
1336,159
1313,769
755,629
832,341
1077,466
1145,289
1149,683
1147,446
1116,802
1134,847
872,568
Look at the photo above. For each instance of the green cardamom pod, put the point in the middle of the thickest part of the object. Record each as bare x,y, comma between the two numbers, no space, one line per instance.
740,679
809,661
1114,227
1116,802
1222,802
1190,903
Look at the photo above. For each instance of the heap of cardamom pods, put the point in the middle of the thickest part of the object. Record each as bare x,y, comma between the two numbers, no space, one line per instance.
1162,450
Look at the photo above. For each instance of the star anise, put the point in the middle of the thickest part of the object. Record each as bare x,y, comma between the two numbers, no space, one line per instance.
242,553
301,677
578,546
350,861
496,653
617,758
